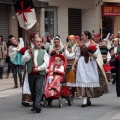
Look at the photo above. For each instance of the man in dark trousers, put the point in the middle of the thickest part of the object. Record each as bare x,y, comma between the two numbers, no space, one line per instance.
37,61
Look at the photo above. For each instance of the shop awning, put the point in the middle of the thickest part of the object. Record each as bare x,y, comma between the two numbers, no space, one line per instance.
36,3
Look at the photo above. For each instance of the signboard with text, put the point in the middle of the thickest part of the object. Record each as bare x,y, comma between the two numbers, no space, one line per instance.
110,10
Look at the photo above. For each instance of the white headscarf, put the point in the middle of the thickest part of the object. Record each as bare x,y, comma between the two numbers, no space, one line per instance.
52,46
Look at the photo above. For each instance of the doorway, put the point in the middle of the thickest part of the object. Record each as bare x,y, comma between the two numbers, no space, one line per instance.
107,25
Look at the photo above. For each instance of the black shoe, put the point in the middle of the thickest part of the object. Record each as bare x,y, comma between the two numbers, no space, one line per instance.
33,109
38,110
84,105
109,80
113,82
49,103
88,103
25,104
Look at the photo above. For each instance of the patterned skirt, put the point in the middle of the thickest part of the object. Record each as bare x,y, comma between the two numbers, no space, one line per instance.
26,98
97,91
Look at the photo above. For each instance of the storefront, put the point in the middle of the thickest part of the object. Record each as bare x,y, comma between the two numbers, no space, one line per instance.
110,17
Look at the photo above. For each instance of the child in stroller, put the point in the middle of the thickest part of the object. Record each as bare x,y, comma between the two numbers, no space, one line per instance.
55,78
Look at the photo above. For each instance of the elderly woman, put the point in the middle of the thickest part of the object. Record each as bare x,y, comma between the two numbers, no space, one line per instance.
70,50
56,47
87,76
3,54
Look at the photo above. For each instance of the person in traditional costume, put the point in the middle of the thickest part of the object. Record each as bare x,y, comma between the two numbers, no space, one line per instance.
103,46
54,78
37,61
70,50
100,63
88,76
26,94
15,58
114,51
97,39
56,47
110,37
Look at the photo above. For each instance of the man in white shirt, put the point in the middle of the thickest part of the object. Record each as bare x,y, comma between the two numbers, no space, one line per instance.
37,61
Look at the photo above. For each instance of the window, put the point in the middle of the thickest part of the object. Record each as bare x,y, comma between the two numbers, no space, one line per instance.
74,21
51,21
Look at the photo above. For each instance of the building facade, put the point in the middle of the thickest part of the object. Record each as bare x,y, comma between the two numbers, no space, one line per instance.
110,17
61,17
71,17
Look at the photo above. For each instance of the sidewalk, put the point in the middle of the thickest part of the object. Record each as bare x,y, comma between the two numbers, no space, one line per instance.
6,87
6,83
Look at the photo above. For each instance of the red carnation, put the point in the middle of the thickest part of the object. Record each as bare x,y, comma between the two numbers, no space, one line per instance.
92,49
53,52
118,57
22,50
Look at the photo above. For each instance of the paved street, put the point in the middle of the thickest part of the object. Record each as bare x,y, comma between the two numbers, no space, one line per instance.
106,107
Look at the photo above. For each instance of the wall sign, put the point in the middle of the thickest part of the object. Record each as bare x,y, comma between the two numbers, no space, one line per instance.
110,10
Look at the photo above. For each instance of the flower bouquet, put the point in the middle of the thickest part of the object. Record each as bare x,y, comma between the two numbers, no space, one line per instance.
92,49
53,52
22,50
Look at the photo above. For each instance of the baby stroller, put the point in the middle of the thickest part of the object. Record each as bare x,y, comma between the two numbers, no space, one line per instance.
55,89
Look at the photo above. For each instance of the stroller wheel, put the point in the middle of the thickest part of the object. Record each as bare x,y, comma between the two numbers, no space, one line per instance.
44,103
60,102
49,102
60,105
70,100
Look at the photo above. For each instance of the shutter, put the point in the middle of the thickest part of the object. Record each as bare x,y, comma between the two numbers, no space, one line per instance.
74,21
4,26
